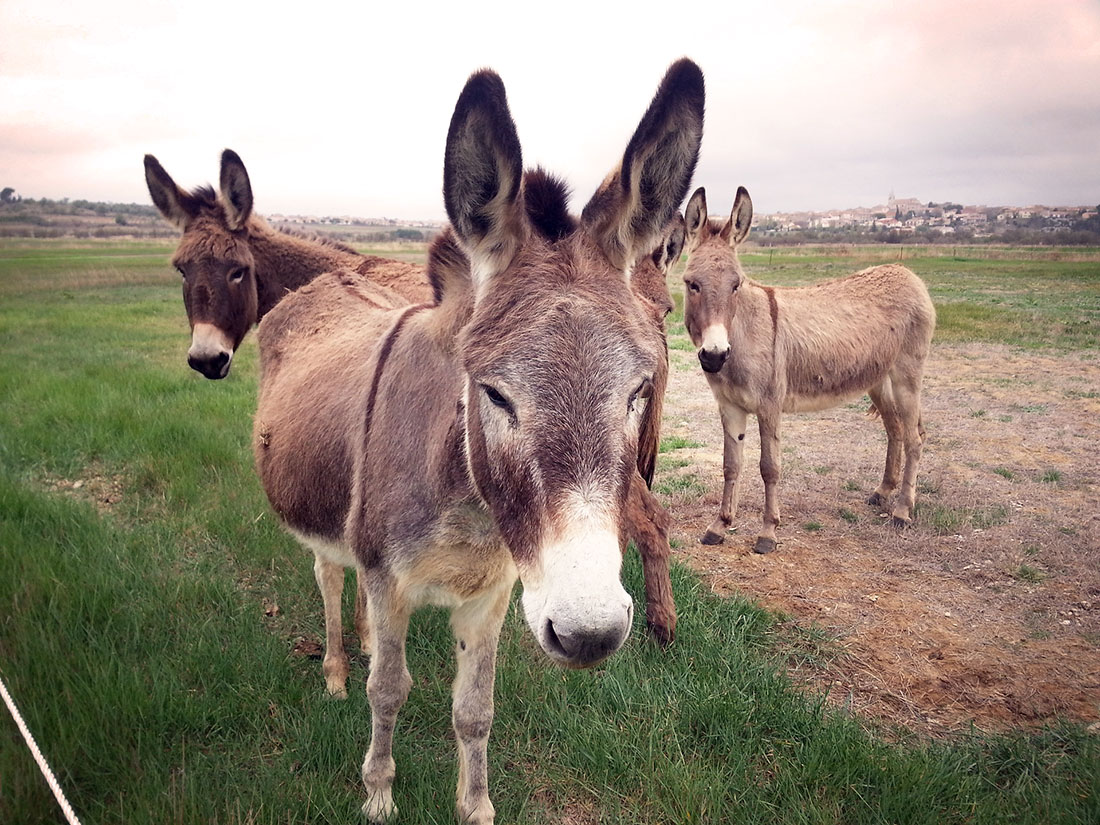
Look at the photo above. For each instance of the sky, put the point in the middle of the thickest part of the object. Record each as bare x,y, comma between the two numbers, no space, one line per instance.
341,108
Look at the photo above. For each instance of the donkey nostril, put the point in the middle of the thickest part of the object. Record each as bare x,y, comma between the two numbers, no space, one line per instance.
553,641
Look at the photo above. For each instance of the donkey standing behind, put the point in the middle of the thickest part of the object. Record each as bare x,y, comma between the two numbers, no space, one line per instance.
491,434
768,350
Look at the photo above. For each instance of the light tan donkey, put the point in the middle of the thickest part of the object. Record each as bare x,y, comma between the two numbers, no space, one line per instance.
492,434
772,350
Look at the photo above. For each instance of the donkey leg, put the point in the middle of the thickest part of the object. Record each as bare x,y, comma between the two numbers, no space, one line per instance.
912,429
647,522
330,581
770,465
387,689
362,611
883,399
733,451
476,626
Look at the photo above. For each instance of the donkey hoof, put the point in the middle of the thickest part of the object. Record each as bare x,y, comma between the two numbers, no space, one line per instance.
711,537
901,522
662,629
379,806
876,500
763,545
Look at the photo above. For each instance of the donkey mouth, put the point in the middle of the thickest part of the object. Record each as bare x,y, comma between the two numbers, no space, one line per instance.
214,368
583,645
712,361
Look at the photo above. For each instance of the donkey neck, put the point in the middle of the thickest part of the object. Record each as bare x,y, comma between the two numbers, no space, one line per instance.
285,262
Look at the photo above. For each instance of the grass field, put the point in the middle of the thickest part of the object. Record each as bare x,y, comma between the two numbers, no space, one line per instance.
149,607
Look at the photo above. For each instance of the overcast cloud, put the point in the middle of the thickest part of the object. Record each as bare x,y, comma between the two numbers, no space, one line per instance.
342,108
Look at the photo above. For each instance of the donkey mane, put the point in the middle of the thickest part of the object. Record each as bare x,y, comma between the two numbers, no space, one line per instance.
546,200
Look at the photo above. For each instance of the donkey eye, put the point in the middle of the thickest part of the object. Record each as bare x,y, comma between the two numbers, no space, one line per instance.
183,274
496,399
736,286
693,286
644,391
236,275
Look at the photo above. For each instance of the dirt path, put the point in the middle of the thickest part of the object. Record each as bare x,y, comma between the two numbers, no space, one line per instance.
988,609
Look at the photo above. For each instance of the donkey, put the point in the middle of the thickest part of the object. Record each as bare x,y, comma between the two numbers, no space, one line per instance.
220,231
235,267
491,434
769,350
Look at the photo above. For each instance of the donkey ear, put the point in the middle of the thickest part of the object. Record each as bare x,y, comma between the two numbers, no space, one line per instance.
482,170
737,227
175,204
695,216
627,214
236,190
668,253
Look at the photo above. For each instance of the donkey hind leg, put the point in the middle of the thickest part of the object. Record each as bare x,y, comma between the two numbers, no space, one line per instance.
907,395
330,581
647,522
387,689
885,402
770,466
733,451
476,625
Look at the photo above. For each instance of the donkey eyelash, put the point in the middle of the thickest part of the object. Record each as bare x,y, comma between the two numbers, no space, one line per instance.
496,398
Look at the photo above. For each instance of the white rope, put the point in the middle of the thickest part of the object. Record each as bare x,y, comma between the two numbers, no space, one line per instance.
38,757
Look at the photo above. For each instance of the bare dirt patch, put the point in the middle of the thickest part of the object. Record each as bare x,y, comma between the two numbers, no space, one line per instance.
987,610
104,490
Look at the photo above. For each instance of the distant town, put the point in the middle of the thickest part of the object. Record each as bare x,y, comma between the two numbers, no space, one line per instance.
912,219
898,220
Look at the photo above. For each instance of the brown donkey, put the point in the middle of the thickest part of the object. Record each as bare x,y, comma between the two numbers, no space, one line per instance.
235,267
218,244
768,350
492,434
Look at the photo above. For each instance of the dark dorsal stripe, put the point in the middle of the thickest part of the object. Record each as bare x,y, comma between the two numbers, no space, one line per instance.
368,412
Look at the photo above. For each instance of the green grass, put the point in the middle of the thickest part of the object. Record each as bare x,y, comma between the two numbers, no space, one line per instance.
677,442
135,639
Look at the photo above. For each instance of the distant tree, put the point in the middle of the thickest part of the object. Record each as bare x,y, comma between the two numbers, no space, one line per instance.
408,234
6,194
120,220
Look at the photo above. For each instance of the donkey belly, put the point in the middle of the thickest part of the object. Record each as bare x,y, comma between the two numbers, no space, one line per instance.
305,465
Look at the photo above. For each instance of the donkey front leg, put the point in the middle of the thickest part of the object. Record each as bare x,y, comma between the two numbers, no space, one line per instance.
647,522
476,626
733,450
769,471
387,689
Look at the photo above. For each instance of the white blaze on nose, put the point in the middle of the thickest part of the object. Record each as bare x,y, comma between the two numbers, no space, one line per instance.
715,339
575,603
208,341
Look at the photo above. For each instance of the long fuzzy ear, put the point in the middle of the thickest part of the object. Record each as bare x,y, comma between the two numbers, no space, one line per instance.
175,204
482,170
695,216
737,227
628,213
236,190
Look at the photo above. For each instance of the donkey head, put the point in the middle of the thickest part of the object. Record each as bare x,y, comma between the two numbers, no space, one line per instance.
713,275
559,354
214,258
